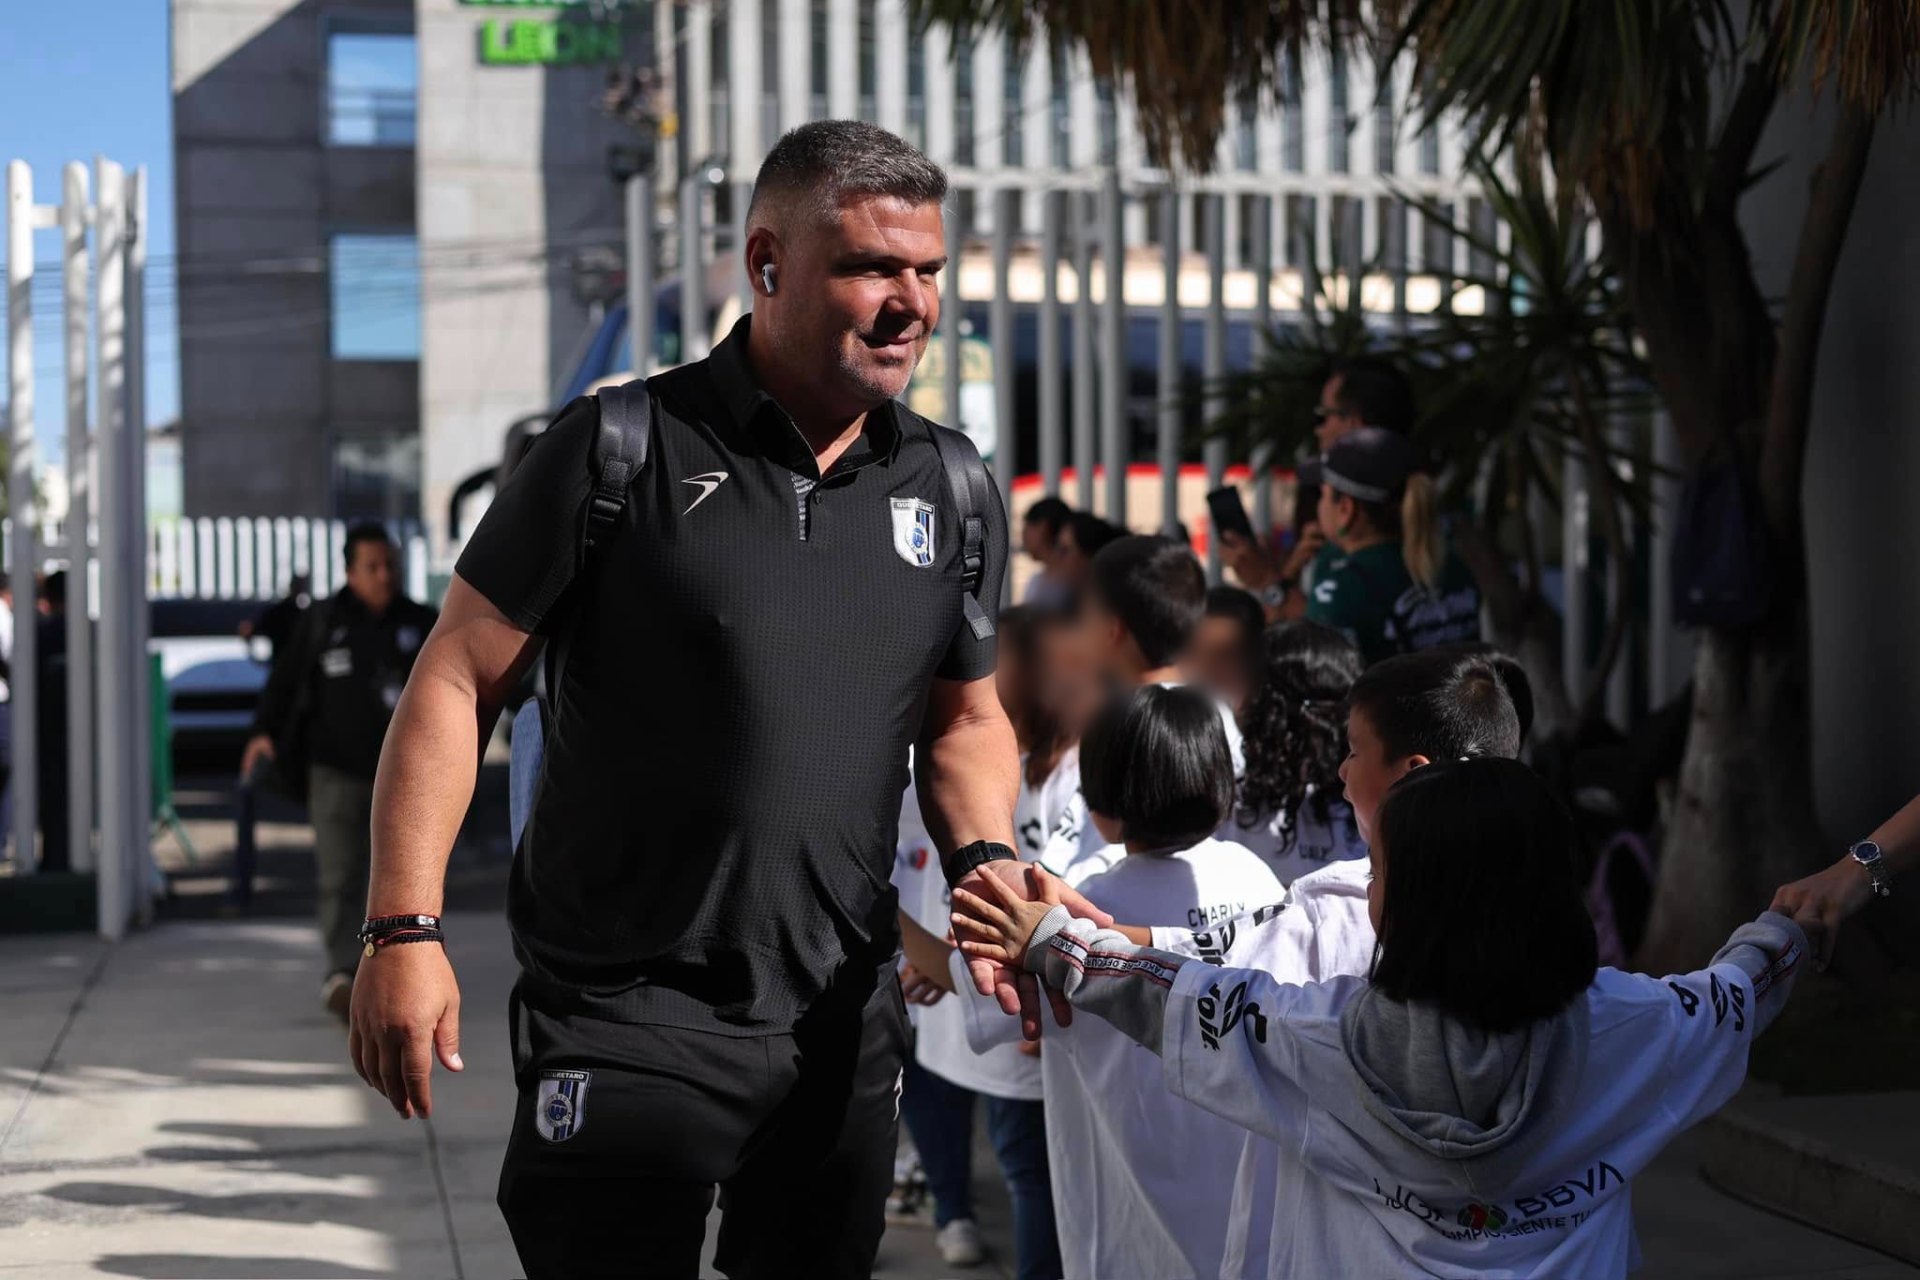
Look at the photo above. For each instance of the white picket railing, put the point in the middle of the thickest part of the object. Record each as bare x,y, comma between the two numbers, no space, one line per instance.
251,557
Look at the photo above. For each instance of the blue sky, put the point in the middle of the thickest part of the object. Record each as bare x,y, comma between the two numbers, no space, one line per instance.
81,80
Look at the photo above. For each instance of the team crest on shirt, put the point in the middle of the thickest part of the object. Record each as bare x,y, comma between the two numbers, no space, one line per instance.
560,1105
913,531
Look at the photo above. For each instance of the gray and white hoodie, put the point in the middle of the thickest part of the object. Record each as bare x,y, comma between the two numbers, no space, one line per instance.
1422,1146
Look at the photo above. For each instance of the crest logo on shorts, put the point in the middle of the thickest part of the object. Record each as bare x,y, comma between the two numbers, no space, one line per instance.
560,1106
913,531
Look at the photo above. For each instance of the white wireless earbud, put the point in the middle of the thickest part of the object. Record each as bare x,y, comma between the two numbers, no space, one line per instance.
766,277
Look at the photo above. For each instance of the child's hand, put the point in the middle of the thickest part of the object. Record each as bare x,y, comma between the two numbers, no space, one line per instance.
999,927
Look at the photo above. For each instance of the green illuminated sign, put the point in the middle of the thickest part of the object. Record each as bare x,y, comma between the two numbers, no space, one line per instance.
519,42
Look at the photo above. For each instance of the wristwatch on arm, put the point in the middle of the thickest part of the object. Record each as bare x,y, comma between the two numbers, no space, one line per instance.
977,854
1868,855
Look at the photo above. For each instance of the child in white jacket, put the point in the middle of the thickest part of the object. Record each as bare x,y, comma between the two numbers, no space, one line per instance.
1481,1105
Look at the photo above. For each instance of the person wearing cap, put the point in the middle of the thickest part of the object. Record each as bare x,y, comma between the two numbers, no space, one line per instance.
1392,586
1363,391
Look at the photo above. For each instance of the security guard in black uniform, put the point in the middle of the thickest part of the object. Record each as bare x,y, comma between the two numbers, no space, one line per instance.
321,720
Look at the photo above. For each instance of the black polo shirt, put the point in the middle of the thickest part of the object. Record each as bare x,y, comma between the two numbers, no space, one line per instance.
745,666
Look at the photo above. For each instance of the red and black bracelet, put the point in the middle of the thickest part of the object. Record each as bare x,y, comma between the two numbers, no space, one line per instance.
388,931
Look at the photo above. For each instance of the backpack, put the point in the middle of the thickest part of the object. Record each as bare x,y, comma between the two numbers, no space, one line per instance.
619,452
1721,572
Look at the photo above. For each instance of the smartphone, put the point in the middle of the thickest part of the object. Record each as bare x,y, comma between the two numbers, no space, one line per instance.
1229,513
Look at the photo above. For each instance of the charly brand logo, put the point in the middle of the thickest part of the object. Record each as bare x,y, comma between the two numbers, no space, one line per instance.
913,530
706,482
1219,1016
560,1106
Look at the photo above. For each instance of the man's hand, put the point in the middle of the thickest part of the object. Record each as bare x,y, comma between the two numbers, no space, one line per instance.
259,747
1018,991
1821,902
406,1011
917,987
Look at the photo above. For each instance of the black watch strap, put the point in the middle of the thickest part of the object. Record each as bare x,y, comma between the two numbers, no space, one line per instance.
967,857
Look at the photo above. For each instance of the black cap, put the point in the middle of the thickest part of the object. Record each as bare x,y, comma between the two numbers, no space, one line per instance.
1370,465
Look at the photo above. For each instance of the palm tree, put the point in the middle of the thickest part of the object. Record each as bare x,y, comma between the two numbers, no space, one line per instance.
1654,110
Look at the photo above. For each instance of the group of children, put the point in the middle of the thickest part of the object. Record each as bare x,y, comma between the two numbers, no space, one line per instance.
1348,1016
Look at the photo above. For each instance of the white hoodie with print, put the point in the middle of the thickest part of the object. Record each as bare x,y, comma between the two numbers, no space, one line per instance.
1421,1146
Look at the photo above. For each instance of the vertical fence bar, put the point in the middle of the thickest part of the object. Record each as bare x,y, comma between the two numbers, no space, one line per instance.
640,200
139,625
115,658
1573,573
1051,384
953,317
283,569
1084,410
80,716
184,542
1261,457
693,267
1214,359
1167,384
23,708
1662,668
1113,362
1006,447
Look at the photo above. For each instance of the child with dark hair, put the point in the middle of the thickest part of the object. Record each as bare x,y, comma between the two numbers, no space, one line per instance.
1402,715
1155,777
1290,810
1136,618
1482,1104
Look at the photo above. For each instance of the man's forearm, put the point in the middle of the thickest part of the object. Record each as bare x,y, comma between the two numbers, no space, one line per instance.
428,766
1899,838
969,778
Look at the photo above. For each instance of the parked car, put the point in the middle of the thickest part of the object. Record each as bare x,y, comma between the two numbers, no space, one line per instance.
214,677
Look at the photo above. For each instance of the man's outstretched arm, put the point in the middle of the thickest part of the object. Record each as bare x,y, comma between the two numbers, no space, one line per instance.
406,1004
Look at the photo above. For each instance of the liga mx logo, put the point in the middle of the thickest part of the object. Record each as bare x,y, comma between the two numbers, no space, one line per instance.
913,531
560,1107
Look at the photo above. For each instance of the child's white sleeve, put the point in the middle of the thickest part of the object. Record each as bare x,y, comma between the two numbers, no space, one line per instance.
1228,1045
1221,1032
1717,1011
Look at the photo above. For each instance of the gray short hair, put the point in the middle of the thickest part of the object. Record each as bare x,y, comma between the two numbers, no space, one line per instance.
829,161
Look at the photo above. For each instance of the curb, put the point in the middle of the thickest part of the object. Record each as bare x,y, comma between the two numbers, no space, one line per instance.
1784,1171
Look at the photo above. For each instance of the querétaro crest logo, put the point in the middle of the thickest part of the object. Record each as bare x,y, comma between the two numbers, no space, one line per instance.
913,531
560,1106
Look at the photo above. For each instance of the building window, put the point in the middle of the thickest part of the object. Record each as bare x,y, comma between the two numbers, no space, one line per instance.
1293,139
377,477
817,28
1060,112
869,75
1246,138
917,90
1430,150
1013,110
374,281
372,86
963,152
769,72
1337,122
720,83
1107,118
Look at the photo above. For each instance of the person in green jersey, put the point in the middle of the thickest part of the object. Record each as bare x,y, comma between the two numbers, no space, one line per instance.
1391,584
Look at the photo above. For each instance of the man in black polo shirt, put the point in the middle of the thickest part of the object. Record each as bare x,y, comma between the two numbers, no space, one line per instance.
700,903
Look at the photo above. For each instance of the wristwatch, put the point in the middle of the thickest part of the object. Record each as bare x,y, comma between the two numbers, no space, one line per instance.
979,853
1274,594
1868,855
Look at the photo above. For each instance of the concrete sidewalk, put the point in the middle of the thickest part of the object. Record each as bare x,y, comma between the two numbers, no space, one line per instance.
180,1106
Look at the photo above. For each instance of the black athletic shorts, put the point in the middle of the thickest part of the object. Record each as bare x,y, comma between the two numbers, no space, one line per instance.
622,1134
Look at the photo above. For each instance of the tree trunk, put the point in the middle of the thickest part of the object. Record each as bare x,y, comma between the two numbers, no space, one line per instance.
1744,819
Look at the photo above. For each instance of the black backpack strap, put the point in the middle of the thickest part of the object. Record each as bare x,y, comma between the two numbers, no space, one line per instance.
619,451
973,495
